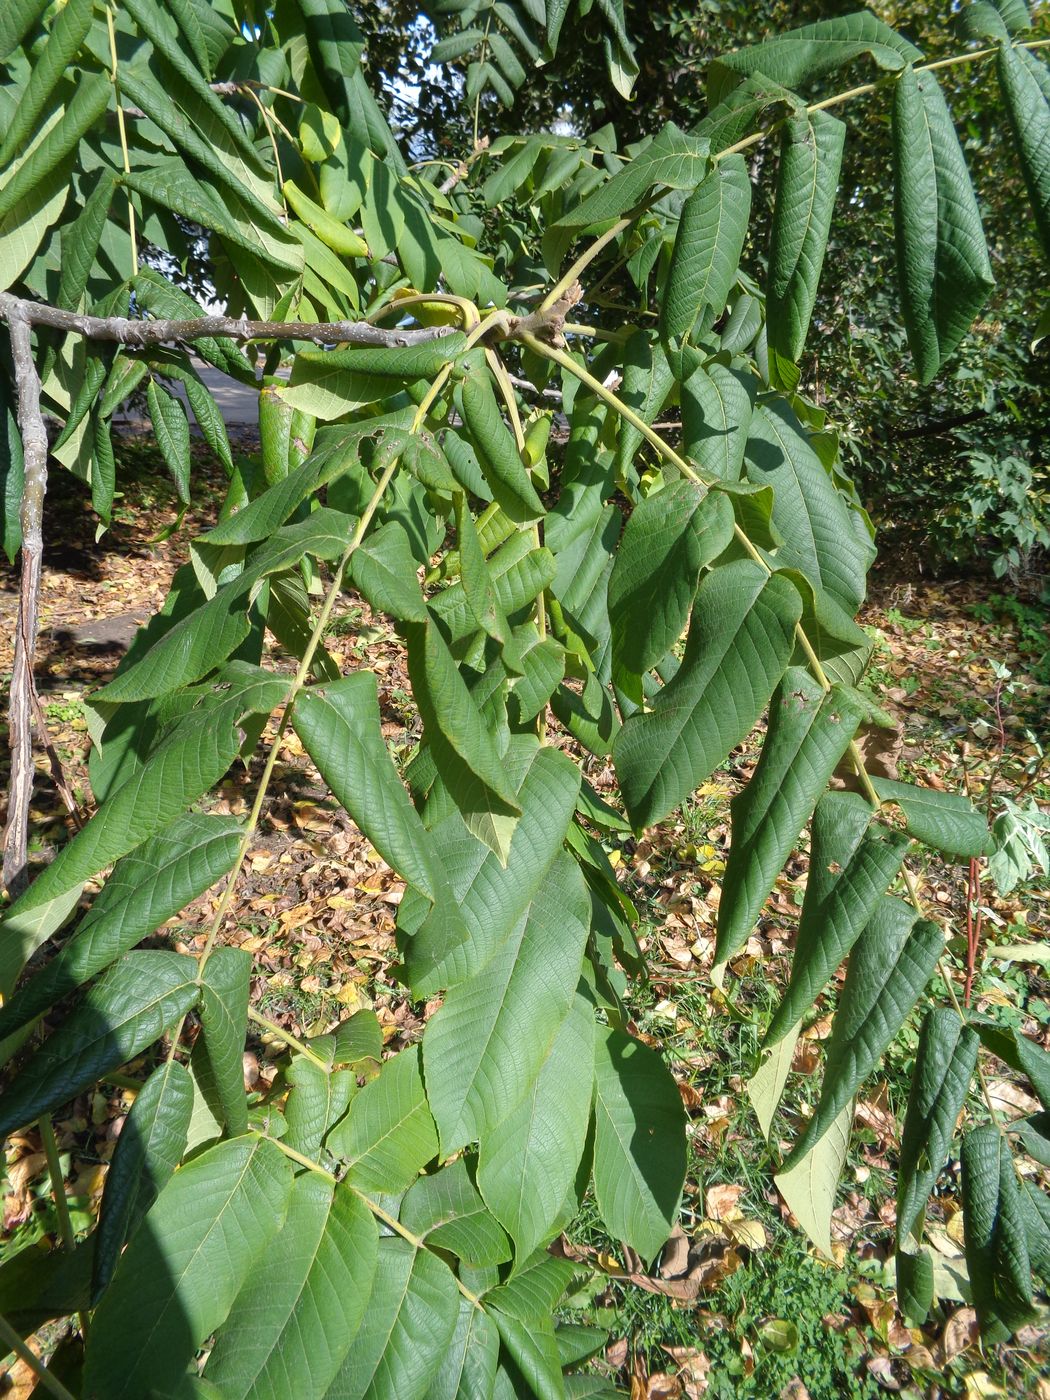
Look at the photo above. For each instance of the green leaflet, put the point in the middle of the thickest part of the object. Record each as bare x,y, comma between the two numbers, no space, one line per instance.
944,1067
717,404
668,539
492,896
194,755
172,431
852,861
120,1016
80,241
447,1211
388,1135
384,570
147,887
639,1141
807,181
459,739
215,121
823,537
647,380
736,115
66,36
500,462
340,728
529,1160
942,260
177,1280
170,185
358,1038
891,962
486,1045
85,108
534,1290
330,383
412,1315
811,51
317,1098
1028,109
808,734
740,641
479,589
150,1147
997,1255
468,1366
542,664
204,638
295,1319
534,1351
711,231
224,1011
947,821
15,22
672,158
205,410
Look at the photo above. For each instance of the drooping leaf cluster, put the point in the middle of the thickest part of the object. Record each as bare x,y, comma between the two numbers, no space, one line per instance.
376,1225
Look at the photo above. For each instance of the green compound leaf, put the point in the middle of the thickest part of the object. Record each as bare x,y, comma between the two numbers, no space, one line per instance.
997,1255
130,1008
947,821
822,537
717,403
459,739
852,861
740,642
412,1317
150,1147
810,160
179,1277
668,539
942,259
1028,108
890,964
447,1211
529,1160
639,1142
500,461
147,887
295,1319
224,1012
340,728
944,1066
492,896
388,1134
808,733
811,51
483,1050
707,247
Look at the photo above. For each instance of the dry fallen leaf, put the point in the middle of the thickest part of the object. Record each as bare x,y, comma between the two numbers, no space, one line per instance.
960,1333
719,1201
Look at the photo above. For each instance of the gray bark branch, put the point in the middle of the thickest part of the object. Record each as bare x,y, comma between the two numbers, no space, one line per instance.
34,450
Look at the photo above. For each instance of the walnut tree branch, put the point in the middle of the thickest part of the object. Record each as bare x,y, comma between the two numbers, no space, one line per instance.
34,451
